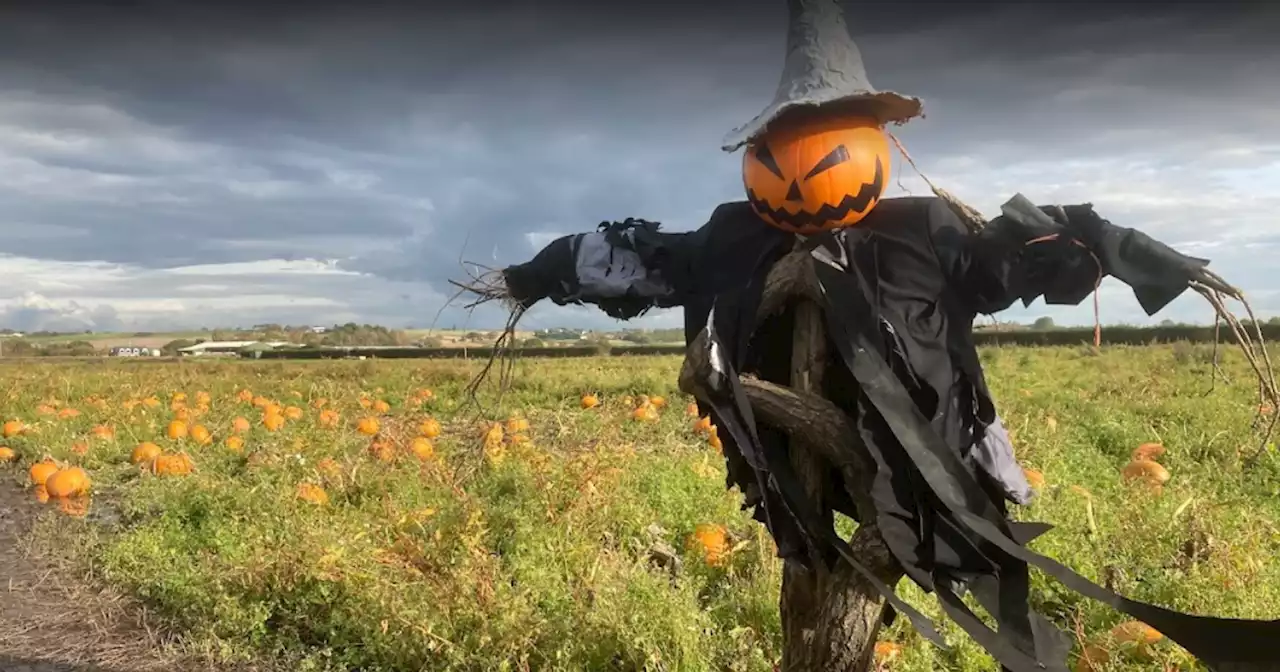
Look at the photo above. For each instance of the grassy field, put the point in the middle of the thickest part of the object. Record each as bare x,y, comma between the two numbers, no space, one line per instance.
533,548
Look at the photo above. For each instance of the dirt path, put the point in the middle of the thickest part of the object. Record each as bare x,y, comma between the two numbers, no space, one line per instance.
52,620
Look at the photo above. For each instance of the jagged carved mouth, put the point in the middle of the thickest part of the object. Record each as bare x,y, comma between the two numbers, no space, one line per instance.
859,202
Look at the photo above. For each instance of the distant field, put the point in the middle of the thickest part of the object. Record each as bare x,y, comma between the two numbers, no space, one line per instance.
106,341
532,551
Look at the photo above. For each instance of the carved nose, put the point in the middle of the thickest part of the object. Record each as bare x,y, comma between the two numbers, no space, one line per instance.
793,194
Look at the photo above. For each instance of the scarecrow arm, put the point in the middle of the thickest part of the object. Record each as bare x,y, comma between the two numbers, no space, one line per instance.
625,268
1060,253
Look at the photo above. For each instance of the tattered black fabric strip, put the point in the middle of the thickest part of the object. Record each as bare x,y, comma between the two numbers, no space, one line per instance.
734,415
1215,641
998,646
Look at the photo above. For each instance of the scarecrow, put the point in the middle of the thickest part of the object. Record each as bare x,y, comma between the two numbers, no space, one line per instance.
829,335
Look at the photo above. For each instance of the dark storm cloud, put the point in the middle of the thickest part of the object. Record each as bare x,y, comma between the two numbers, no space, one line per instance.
390,135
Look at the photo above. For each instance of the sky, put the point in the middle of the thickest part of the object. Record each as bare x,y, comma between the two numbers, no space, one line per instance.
178,165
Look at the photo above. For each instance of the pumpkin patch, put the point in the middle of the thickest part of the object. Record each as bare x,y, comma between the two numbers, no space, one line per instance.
514,517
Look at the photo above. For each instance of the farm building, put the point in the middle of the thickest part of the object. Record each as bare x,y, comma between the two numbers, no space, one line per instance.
225,347
133,351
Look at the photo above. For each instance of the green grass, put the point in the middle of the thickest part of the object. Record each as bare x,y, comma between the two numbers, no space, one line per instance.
537,556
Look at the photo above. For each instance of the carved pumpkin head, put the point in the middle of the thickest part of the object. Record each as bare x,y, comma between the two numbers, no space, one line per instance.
817,173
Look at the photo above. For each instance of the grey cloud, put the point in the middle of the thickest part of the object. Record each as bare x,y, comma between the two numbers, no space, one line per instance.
390,139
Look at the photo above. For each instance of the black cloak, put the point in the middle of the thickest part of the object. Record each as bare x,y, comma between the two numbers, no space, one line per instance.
902,289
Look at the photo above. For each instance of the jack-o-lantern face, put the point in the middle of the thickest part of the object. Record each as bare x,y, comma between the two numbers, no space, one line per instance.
820,174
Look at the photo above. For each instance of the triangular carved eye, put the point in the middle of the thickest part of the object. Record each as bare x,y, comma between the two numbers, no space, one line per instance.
834,158
765,157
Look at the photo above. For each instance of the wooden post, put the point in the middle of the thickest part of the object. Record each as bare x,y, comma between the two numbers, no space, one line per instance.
830,618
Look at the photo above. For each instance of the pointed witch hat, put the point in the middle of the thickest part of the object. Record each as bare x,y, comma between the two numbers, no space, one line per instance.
824,67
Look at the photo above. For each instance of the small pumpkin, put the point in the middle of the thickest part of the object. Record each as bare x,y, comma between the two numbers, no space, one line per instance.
1147,451
234,444
711,541
104,432
381,407
172,464
177,429
1149,472
7,454
272,422
293,413
69,482
329,467
1093,658
382,450
367,426
1136,637
516,425
245,396
430,428
310,492
76,507
42,470
200,434
590,401
887,652
240,425
645,413
328,418
815,173
421,447
12,428
144,452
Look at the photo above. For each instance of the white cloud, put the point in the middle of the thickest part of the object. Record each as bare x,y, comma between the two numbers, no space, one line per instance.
103,296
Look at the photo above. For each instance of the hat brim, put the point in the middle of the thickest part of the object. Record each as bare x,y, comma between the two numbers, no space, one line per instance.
889,107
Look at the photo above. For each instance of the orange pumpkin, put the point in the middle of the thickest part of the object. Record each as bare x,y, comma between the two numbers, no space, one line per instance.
293,412
1147,451
1136,637
430,428
421,446
76,507
310,492
517,425
367,426
240,425
145,452
590,401
200,434
272,422
7,454
69,482
177,430
42,470
812,174
328,418
712,541
12,428
382,450
645,413
1146,471
235,444
172,464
